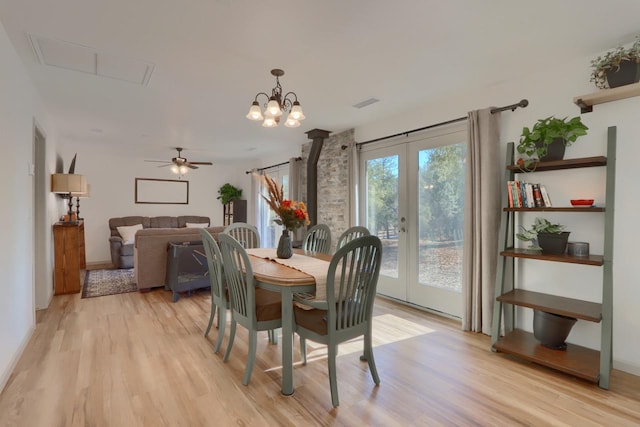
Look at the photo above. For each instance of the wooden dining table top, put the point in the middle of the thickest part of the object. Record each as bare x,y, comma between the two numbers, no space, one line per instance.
270,271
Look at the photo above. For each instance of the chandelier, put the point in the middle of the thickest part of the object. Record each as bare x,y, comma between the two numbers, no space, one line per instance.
276,106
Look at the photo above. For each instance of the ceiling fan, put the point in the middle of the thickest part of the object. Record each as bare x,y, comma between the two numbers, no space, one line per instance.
179,165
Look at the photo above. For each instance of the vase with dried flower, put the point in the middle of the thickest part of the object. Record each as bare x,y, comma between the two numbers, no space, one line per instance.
290,214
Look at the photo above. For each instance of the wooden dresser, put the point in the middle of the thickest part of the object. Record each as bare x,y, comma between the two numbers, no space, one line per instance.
68,241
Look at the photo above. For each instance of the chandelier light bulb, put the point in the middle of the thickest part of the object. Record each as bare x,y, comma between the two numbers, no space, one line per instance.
291,122
269,122
254,112
274,108
296,112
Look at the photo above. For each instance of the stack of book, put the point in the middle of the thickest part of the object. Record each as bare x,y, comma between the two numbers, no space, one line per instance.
527,195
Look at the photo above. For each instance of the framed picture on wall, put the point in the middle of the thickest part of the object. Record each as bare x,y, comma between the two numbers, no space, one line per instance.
162,191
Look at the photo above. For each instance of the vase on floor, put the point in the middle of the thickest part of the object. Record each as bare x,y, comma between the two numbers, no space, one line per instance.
285,248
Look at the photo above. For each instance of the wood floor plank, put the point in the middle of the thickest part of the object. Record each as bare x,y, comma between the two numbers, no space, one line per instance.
141,360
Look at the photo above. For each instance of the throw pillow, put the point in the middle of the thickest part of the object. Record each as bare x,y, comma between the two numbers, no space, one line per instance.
128,233
196,224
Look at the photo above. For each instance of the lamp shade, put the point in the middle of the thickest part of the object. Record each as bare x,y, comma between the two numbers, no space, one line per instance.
86,189
67,183
254,112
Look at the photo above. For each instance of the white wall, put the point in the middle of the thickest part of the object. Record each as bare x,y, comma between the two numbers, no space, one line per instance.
551,93
111,174
19,107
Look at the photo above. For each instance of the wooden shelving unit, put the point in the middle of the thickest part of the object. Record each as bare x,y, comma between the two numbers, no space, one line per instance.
586,102
588,364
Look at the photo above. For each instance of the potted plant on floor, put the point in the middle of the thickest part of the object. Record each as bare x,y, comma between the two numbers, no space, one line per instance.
545,236
547,139
618,67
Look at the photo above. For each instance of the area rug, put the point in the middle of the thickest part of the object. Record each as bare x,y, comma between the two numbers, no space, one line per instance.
98,283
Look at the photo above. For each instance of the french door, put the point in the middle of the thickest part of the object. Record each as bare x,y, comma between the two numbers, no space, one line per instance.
413,199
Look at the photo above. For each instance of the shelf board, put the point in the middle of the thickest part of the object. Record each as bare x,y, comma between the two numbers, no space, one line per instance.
558,209
583,162
586,102
597,260
579,309
578,361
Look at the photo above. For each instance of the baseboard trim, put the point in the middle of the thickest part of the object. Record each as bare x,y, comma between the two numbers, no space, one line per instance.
4,379
629,368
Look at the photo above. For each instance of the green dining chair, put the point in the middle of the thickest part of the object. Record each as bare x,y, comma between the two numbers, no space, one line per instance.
348,310
318,239
249,238
352,234
254,308
246,234
219,298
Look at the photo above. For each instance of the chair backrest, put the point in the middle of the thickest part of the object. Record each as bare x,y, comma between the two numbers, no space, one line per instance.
318,239
214,261
352,234
246,234
239,276
351,284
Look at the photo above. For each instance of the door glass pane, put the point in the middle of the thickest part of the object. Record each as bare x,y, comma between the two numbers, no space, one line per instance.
382,209
441,175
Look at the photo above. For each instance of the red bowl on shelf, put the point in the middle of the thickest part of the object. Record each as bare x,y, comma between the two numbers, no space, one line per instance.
581,202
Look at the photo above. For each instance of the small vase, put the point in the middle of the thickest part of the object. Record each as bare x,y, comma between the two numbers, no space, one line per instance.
285,249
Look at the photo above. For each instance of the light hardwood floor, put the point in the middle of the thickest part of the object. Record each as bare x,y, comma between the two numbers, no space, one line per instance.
140,360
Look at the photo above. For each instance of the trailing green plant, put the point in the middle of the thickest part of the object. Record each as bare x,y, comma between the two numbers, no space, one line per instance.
540,225
535,141
611,61
228,193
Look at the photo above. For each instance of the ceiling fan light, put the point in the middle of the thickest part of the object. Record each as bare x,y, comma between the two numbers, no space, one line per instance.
183,170
291,122
273,107
254,112
296,112
175,169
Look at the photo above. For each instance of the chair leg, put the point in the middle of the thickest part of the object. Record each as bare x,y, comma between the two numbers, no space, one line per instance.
303,350
222,323
253,341
273,336
368,351
331,358
213,313
232,335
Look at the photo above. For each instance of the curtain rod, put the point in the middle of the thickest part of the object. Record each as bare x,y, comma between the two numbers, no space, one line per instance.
269,167
522,104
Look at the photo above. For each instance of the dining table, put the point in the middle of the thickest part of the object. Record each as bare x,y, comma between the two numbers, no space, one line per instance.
274,276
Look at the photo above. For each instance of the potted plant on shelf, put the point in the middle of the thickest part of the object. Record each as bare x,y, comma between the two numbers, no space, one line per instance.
545,236
228,193
618,67
548,137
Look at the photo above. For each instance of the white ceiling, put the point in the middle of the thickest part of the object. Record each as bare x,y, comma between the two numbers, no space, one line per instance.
210,58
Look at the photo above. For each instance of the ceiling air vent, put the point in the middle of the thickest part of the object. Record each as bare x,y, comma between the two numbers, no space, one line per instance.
366,103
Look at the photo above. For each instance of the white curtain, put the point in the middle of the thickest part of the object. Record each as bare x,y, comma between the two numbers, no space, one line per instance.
481,220
295,188
354,184
257,184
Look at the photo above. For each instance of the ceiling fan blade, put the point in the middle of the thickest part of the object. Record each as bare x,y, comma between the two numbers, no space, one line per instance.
157,161
164,166
190,165
201,163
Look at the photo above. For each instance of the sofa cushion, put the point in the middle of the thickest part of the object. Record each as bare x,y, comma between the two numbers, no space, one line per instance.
127,250
128,232
192,219
196,225
114,223
163,222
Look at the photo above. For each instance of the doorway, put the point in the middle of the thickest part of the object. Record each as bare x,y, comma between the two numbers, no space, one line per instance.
42,293
413,199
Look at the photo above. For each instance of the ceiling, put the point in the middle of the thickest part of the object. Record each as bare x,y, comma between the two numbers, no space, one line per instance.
207,59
